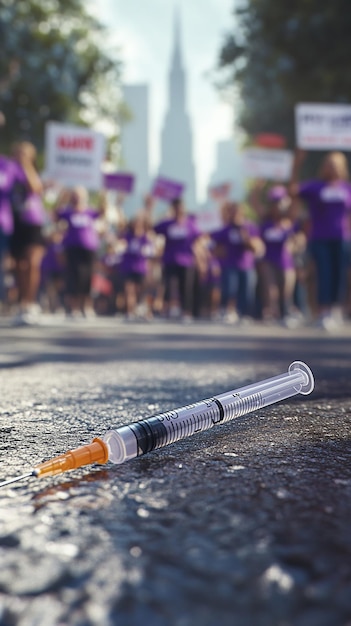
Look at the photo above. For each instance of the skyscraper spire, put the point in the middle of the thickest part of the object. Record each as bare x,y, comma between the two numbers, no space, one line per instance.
177,56
176,76
176,141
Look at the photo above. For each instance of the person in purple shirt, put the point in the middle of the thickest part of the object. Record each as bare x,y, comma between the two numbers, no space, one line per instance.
180,233
134,262
80,243
237,245
53,274
328,199
27,244
7,171
277,270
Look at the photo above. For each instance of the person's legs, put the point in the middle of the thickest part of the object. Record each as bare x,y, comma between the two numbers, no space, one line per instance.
285,279
268,290
130,292
171,288
186,288
72,279
21,274
321,254
289,288
27,248
246,291
339,260
33,255
225,287
3,252
86,268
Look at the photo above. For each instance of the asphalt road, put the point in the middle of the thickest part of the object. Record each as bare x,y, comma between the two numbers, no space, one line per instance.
248,524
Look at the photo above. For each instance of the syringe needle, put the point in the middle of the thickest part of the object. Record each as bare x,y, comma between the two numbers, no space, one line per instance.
14,480
94,452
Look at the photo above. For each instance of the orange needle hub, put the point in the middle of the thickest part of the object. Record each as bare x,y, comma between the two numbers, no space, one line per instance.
95,452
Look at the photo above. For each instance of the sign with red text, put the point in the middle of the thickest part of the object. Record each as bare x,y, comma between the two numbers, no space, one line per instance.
270,140
268,164
323,126
74,155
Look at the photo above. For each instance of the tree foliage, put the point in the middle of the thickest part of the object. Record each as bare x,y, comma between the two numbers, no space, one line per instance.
54,66
281,53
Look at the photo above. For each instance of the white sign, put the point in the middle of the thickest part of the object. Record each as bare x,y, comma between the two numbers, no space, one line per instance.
268,164
208,220
323,126
74,155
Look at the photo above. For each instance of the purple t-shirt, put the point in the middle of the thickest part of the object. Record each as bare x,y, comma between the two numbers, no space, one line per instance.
179,239
275,237
329,204
233,250
81,230
30,205
7,175
135,256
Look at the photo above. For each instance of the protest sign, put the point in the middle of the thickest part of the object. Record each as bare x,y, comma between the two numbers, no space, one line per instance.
323,126
220,192
268,164
208,220
74,155
119,181
270,140
167,189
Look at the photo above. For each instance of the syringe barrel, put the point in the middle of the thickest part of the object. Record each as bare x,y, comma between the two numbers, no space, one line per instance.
140,437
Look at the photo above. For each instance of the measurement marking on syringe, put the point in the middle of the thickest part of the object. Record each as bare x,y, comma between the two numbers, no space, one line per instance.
179,426
174,432
197,425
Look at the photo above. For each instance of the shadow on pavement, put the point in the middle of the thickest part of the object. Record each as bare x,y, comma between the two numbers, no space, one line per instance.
326,355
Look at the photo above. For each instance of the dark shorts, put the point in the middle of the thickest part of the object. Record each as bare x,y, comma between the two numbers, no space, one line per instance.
79,270
134,277
25,235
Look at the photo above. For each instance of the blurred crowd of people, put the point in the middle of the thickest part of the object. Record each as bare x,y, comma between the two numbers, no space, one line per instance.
281,257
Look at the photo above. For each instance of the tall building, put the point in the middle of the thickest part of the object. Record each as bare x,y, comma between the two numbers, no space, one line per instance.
228,168
177,160
135,143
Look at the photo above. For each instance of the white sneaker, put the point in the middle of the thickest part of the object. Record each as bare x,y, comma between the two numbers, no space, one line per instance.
187,319
292,321
27,316
89,313
174,312
74,315
327,322
245,321
231,317
18,319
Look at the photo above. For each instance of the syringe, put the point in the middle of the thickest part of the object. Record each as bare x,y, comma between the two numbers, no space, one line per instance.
138,438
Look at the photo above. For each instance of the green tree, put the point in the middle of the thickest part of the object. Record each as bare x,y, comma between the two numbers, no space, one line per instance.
282,53
54,66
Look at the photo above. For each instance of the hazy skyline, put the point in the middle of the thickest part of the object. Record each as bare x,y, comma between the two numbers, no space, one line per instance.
144,34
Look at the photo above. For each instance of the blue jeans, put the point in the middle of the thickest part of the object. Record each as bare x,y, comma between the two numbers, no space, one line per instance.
240,285
331,259
4,243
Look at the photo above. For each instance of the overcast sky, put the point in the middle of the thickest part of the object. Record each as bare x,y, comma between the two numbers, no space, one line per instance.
143,30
